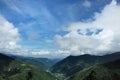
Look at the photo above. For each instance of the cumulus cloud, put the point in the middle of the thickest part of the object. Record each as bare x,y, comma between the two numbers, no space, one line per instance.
9,36
93,37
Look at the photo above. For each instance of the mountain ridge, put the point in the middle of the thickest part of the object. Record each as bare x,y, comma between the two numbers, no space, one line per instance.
73,64
14,69
104,71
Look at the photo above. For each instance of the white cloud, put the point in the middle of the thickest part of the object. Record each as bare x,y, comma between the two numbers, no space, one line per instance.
50,53
9,36
78,42
42,52
87,4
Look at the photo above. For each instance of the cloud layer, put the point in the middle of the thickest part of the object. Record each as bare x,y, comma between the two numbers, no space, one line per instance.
94,37
9,36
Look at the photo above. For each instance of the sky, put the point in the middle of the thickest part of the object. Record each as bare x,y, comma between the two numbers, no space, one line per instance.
59,28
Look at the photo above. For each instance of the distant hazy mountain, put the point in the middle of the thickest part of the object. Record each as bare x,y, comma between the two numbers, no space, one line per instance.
105,71
73,64
14,69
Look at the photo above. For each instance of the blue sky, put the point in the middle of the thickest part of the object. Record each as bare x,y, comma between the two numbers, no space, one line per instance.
39,21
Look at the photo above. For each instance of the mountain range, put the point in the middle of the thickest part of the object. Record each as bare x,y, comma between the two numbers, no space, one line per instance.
104,71
15,69
44,63
73,64
83,67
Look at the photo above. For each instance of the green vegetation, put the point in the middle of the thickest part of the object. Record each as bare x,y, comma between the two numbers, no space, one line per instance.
39,62
73,64
104,71
12,69
85,67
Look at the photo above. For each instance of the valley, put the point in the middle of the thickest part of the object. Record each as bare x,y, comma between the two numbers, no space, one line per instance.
83,67
59,39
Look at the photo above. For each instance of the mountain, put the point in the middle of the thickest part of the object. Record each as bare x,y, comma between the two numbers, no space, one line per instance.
104,71
14,69
47,62
73,64
44,63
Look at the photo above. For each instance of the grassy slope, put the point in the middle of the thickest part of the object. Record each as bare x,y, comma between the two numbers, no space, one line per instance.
73,64
32,61
44,63
105,71
38,74
11,69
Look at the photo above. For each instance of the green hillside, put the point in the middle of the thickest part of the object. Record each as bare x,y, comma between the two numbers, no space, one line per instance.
12,69
44,63
31,61
105,71
73,64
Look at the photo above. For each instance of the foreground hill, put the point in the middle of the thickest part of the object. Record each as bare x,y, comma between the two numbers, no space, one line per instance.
105,71
12,69
73,64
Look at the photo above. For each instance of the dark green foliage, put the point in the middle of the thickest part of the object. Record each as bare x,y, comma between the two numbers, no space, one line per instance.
104,71
73,64
4,61
40,62
91,76
31,61
13,69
